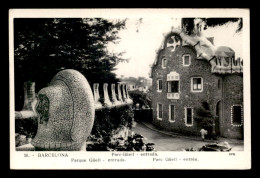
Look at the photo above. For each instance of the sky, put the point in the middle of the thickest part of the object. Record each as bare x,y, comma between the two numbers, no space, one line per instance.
140,47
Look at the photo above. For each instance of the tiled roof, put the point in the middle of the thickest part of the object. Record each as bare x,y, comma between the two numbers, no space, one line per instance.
206,50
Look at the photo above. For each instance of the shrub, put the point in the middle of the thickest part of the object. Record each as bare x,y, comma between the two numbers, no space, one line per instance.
132,143
108,120
27,127
141,98
108,123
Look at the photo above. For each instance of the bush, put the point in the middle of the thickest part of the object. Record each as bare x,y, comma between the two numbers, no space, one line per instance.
27,127
140,98
104,135
108,120
108,123
222,146
132,143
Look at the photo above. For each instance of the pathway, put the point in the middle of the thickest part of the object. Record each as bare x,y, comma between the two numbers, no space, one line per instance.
167,141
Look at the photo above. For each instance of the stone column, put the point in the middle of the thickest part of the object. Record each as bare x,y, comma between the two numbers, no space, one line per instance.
29,96
98,104
107,101
127,95
114,99
124,93
30,102
119,93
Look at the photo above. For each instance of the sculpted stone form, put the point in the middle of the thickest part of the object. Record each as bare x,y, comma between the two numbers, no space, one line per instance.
114,99
128,100
119,94
107,102
124,92
98,104
30,101
65,113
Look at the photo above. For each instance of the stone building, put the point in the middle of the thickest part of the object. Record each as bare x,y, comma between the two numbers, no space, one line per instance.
195,81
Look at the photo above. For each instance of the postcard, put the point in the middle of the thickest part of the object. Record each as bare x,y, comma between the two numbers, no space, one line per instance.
129,89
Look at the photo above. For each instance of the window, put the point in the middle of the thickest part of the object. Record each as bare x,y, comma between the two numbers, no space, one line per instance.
186,60
219,84
164,63
173,86
159,85
159,111
171,113
237,115
188,116
196,84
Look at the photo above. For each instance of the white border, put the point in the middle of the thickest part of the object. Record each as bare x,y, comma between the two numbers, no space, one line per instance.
207,160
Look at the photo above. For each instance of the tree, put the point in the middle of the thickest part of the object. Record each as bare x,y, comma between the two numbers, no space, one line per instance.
189,26
141,98
44,46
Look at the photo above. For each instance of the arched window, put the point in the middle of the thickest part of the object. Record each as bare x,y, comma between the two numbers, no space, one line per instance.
159,85
237,115
186,58
164,63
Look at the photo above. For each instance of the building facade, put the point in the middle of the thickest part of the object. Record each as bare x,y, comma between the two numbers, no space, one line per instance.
193,81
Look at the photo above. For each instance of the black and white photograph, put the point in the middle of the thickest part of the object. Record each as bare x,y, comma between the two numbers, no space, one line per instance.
129,89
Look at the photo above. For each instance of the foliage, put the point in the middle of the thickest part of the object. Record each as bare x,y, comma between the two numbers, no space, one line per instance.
222,146
107,120
139,82
27,127
204,110
188,23
205,119
141,98
132,143
44,46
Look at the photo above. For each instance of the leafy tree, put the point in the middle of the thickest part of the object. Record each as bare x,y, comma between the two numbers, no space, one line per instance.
188,23
44,46
140,98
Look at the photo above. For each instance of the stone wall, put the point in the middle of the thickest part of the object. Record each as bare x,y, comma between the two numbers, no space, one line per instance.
233,95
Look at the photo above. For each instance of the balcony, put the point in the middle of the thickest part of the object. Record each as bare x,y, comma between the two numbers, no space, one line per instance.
173,96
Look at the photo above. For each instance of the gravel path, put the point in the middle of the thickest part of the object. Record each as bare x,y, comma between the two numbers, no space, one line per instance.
166,142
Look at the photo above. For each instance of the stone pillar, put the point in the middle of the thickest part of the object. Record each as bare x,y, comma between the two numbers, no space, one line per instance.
98,104
124,93
29,96
114,99
30,102
107,101
127,95
119,93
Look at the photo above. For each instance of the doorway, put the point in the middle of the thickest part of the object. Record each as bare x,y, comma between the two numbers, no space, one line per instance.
218,118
